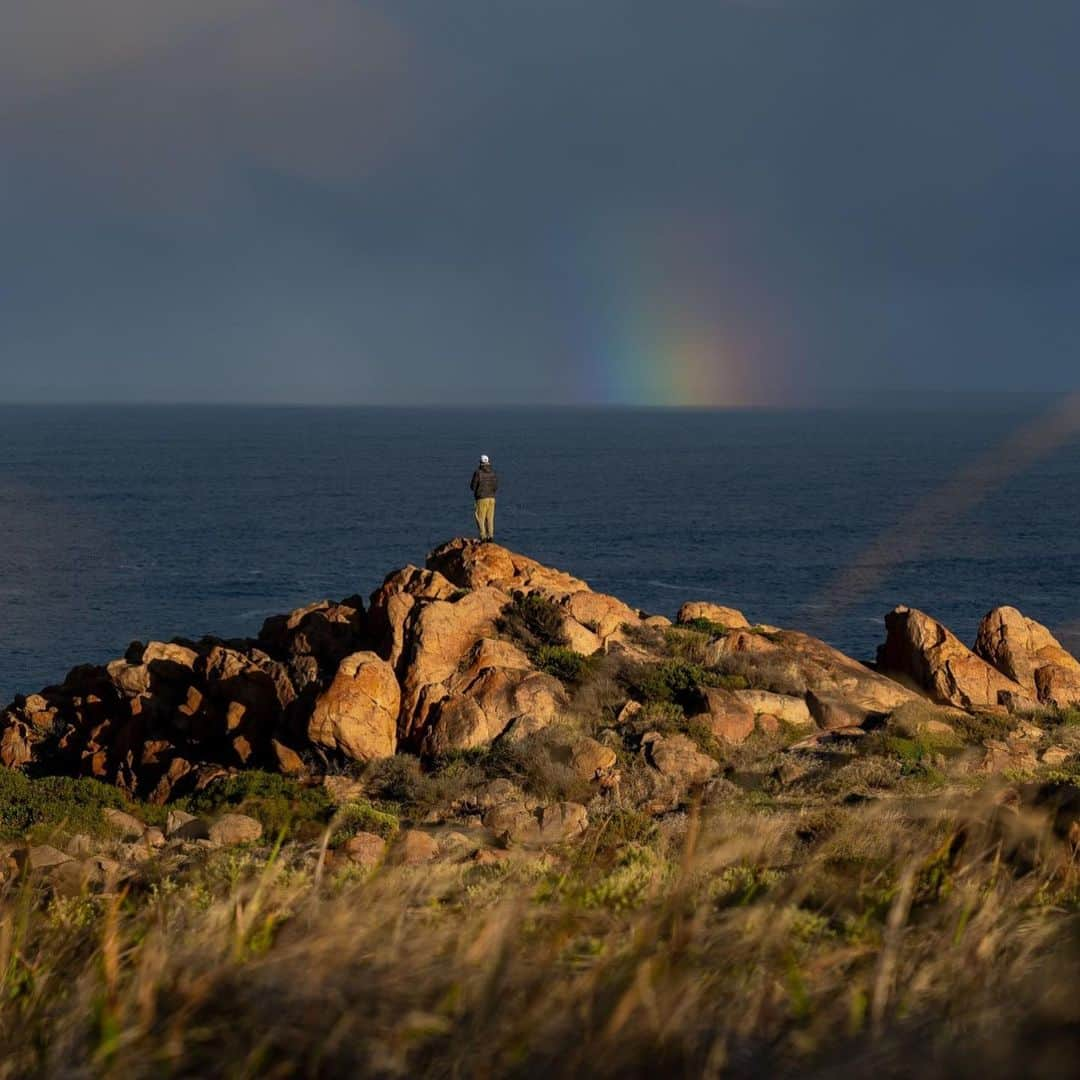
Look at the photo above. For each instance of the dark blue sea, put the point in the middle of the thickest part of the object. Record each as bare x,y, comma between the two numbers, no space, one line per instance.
148,522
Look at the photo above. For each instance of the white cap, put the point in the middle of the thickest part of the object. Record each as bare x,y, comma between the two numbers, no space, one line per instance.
484,459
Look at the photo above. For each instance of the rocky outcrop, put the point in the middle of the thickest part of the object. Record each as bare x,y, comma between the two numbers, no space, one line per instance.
592,620
357,714
495,687
428,667
925,651
1026,652
168,717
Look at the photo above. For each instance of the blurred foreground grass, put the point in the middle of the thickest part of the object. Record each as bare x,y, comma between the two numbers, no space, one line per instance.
935,935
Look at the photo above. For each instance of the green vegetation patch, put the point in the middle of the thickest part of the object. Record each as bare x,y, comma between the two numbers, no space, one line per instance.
675,682
52,801
565,664
279,803
362,816
532,621
707,626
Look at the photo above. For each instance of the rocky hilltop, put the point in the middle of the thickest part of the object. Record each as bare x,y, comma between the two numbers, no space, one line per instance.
492,822
483,645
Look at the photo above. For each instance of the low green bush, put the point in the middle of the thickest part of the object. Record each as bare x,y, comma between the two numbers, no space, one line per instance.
675,682
532,621
362,816
565,664
707,626
26,803
279,803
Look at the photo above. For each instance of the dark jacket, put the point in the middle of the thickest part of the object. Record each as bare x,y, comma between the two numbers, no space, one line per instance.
484,483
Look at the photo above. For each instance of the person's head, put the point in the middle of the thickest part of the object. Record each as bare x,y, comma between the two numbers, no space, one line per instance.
484,459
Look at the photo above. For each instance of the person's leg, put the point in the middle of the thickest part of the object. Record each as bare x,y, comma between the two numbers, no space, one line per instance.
485,517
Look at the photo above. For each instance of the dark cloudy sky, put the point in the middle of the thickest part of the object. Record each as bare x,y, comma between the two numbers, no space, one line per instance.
717,201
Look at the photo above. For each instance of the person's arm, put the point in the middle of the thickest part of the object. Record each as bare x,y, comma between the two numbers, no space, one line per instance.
494,482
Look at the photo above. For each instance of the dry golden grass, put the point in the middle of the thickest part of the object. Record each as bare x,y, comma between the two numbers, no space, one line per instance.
901,936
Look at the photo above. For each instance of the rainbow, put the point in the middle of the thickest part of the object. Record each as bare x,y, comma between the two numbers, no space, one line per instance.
645,341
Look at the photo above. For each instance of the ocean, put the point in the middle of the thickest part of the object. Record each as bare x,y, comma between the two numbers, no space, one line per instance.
125,523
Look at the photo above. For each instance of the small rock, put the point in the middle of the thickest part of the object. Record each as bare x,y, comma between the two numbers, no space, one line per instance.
235,829
490,856
1002,756
40,857
679,758
513,822
727,717
562,821
457,842
289,761
415,847
768,724
127,825
76,877
184,826
832,712
365,849
136,852
1055,755
154,837
590,759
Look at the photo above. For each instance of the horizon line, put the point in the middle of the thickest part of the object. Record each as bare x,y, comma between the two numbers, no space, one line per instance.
879,398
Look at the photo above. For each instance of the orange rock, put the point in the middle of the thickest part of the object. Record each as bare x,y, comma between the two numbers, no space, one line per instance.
357,715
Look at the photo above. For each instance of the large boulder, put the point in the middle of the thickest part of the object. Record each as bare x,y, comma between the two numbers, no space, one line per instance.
357,714
494,688
441,635
678,758
927,652
1026,652
794,664
517,823
729,719
470,565
788,709
728,617
395,601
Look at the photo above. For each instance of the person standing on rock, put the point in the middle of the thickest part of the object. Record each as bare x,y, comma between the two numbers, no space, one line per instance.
484,485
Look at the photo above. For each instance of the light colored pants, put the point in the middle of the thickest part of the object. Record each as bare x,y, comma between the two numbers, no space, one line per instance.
485,518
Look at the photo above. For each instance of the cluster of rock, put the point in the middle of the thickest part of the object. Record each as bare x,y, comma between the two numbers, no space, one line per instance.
89,862
1016,664
424,668
167,718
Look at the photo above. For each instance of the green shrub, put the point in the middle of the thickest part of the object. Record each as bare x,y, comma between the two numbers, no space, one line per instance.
26,803
707,626
358,817
565,664
979,726
276,801
532,621
676,682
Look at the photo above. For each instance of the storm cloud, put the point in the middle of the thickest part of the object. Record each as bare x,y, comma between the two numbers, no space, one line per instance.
419,201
